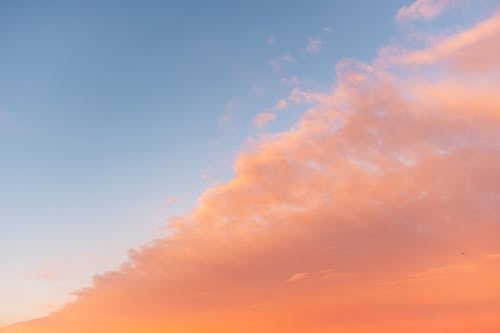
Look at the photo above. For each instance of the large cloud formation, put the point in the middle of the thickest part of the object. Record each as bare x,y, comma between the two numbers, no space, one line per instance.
378,212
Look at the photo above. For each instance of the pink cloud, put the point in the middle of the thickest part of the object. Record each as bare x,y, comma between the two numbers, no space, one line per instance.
476,49
281,104
424,9
264,118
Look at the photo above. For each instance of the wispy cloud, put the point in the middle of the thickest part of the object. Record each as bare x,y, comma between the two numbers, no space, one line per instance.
314,45
493,256
290,80
228,114
475,49
170,201
264,118
206,173
270,40
46,272
279,62
297,277
424,9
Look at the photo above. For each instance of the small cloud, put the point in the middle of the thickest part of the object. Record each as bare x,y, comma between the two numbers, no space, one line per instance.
324,274
263,119
291,80
270,40
47,272
170,201
441,272
257,90
278,63
297,277
206,174
328,29
314,45
329,248
423,10
228,115
298,96
281,104
493,256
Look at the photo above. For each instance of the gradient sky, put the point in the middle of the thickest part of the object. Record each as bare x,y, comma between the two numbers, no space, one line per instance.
115,116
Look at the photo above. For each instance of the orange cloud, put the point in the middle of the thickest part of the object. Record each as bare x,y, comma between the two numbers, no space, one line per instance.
297,277
381,206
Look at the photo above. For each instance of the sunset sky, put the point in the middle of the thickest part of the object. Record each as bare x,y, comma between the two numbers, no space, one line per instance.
250,166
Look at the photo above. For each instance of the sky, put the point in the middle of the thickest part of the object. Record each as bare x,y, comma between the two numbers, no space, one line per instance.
189,166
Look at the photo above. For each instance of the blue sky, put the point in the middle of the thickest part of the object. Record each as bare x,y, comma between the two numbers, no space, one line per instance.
109,109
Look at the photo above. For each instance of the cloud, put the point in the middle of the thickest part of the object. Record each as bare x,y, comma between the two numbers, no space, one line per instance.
424,9
298,96
314,276
297,277
46,272
476,49
290,80
279,62
258,90
170,201
314,45
281,104
228,113
493,256
336,191
206,174
263,118
270,40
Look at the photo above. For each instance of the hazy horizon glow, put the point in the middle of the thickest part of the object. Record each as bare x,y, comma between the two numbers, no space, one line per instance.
377,211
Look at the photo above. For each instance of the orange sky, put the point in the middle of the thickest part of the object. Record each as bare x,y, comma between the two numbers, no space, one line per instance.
379,212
